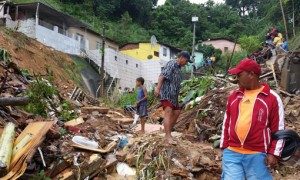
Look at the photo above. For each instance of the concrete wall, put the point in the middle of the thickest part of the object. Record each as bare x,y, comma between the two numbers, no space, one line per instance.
116,66
57,41
161,54
151,70
25,26
222,43
92,38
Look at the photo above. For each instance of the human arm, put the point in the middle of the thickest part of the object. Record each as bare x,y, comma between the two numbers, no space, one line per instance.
276,124
225,136
159,84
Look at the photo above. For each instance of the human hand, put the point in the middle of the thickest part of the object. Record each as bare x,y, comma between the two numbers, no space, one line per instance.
156,92
271,161
137,103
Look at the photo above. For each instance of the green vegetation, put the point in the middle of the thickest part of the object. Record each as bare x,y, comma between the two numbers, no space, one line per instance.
249,43
237,57
39,93
4,55
136,20
74,70
40,176
43,98
195,87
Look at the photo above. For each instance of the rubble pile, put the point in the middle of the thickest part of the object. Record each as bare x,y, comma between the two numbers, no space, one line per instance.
84,139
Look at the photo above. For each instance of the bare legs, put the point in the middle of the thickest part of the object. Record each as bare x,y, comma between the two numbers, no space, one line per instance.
170,119
142,125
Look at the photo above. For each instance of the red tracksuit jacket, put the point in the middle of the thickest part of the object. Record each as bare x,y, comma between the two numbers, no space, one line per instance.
267,117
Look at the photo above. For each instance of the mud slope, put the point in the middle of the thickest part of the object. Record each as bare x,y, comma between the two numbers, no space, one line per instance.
37,58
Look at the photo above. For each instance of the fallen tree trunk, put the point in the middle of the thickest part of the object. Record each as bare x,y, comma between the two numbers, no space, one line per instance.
14,101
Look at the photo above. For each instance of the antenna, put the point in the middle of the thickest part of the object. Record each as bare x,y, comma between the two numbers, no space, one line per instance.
153,41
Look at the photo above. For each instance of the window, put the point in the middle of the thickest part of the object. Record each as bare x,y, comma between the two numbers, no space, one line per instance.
126,61
165,52
225,49
78,36
136,65
156,53
116,58
98,45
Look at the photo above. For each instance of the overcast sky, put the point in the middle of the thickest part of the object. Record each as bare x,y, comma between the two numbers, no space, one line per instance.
160,2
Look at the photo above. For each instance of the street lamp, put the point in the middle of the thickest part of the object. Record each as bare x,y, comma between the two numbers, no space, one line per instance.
194,20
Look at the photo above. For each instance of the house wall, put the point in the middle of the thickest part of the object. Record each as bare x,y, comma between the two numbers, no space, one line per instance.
167,57
25,26
115,65
92,38
222,43
143,51
56,40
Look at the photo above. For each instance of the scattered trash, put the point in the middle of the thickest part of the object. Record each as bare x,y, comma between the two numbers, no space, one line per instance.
84,141
124,170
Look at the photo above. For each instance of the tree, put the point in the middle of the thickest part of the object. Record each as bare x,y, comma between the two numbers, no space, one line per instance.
284,20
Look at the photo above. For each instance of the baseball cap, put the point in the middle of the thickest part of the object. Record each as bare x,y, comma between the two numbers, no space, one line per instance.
246,65
186,55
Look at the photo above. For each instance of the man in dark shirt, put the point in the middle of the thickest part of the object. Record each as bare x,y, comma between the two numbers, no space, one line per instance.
168,88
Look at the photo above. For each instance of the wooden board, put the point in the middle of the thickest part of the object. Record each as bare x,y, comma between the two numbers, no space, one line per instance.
124,121
75,122
18,162
110,147
90,109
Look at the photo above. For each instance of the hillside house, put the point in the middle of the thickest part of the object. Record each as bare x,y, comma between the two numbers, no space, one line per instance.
52,27
150,59
224,44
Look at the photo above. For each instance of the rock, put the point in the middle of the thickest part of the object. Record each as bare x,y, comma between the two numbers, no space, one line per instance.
121,156
95,113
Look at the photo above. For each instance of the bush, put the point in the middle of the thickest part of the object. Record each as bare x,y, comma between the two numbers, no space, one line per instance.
237,57
249,43
39,92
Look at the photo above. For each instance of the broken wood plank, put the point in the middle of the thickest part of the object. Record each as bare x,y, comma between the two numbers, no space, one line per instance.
286,93
90,109
95,163
110,147
75,122
14,101
274,74
124,121
265,75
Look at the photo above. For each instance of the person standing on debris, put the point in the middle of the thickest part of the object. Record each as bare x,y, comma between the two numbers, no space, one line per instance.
168,89
253,113
285,45
141,103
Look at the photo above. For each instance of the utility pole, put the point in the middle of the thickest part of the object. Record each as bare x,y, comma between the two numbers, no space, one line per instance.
194,20
102,62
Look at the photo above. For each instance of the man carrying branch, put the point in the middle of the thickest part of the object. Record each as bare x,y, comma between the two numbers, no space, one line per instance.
168,89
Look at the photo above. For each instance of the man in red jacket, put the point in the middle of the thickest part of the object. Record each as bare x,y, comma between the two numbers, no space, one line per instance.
253,113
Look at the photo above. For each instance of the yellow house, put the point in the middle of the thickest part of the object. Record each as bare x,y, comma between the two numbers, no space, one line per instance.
145,51
141,51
